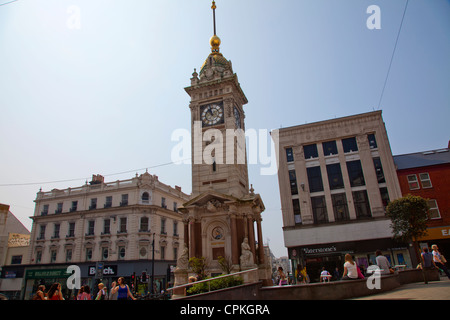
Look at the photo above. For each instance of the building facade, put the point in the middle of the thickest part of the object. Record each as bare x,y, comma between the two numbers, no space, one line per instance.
14,243
123,225
426,174
336,178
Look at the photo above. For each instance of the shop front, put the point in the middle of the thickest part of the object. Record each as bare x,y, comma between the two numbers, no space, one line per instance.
45,276
331,256
137,275
439,236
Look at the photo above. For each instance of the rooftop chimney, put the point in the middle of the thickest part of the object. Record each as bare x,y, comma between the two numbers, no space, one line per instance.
97,179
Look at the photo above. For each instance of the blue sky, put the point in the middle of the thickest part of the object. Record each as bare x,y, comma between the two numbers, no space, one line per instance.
107,97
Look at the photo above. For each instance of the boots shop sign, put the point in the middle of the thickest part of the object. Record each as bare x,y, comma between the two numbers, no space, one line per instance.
108,271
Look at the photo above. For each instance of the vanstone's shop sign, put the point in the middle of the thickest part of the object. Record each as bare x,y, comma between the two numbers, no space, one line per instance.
319,250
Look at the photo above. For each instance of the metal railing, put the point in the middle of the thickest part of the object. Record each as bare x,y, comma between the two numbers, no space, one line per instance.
211,279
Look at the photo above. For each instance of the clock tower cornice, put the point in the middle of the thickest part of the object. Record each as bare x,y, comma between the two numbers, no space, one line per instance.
213,85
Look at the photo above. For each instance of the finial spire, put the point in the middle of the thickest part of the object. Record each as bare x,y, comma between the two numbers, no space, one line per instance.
215,40
213,7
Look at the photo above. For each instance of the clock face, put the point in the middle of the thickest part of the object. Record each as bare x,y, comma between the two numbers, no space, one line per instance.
212,114
237,118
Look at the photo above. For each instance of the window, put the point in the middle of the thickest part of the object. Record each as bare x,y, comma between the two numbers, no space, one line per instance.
163,226
329,148
68,255
108,202
45,210
74,206
434,210
425,180
121,253
105,253
59,208
314,179
310,151
142,253
372,141
38,256
145,197
335,176
175,206
355,173
289,155
106,226
41,232
361,201
163,203
175,228
144,225
384,197
340,207
71,231
56,231
124,201
349,145
319,209
88,254
175,253
413,182
297,213
293,182
163,252
91,227
16,260
379,170
53,253
123,225
93,204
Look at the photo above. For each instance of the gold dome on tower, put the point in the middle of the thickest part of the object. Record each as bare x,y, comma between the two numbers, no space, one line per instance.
215,44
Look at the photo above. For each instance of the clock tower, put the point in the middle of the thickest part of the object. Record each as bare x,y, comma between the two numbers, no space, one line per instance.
217,120
223,216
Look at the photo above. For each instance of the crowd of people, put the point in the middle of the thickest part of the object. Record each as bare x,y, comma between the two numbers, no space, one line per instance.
118,291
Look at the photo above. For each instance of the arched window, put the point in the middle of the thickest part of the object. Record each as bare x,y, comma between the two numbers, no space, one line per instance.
145,197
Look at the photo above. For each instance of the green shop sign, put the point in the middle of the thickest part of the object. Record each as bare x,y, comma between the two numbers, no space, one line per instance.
47,273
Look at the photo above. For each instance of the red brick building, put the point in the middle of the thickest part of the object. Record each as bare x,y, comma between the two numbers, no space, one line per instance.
427,174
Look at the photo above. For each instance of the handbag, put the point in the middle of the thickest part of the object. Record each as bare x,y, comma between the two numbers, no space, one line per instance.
360,275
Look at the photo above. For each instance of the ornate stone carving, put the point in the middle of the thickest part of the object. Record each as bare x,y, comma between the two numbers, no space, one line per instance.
246,258
183,260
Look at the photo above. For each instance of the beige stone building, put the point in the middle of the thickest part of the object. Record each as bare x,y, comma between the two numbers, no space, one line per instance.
14,244
114,223
223,217
336,178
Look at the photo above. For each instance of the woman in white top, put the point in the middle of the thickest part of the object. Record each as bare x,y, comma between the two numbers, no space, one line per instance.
350,271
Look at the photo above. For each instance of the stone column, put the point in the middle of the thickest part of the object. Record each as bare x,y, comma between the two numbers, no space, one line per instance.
260,241
234,241
251,238
186,232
